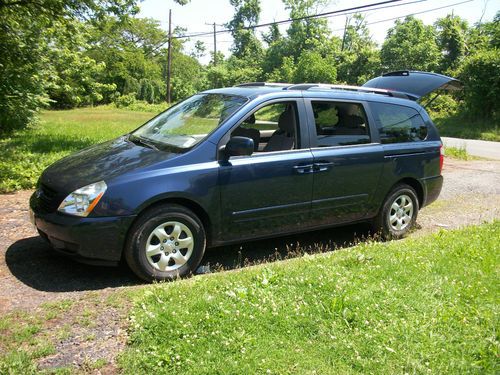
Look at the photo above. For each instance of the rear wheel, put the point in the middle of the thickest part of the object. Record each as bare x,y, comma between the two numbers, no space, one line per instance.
398,213
165,243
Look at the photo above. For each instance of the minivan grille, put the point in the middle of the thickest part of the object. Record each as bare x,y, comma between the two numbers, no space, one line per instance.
48,199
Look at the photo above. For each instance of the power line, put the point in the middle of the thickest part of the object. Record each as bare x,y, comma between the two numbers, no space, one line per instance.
421,12
318,15
204,34
412,14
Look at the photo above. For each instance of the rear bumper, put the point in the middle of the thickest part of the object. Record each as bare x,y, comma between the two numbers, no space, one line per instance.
95,240
432,189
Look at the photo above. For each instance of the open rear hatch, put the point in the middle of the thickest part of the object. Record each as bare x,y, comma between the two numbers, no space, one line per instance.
414,84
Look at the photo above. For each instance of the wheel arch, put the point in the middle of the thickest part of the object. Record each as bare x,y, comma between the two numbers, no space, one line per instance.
190,204
415,184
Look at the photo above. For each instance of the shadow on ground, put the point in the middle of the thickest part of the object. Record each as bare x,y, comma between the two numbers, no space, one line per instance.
32,261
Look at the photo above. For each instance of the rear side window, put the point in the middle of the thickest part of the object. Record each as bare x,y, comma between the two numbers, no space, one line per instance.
340,123
397,123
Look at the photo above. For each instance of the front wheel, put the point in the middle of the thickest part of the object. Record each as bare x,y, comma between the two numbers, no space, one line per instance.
165,243
398,213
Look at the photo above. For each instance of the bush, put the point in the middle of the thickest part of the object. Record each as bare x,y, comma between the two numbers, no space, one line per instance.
125,100
480,74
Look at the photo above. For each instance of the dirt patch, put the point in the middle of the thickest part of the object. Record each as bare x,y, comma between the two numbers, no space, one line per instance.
93,329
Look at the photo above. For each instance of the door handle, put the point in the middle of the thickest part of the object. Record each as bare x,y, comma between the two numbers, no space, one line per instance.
308,168
323,166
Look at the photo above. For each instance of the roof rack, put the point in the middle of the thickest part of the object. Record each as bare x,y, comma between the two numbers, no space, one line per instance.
267,84
307,86
328,86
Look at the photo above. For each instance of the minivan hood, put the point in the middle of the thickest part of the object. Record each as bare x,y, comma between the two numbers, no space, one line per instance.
414,84
101,162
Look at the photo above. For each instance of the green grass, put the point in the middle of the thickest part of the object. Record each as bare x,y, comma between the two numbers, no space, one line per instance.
460,127
25,154
20,343
459,153
428,305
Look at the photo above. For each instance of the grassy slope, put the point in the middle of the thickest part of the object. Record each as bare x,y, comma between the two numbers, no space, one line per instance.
25,154
416,306
458,127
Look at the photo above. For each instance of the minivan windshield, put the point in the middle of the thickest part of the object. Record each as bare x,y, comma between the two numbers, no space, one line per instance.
190,121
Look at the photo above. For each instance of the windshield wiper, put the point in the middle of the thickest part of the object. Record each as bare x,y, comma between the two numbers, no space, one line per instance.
142,141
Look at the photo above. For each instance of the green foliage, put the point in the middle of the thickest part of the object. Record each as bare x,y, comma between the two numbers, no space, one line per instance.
426,305
285,72
305,34
312,67
74,79
26,41
67,54
480,74
245,44
410,45
22,68
125,100
452,41
460,125
359,59
457,153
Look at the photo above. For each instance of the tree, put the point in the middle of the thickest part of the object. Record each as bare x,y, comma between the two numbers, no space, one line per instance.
303,34
410,45
359,59
26,29
246,44
313,67
308,33
131,50
199,50
452,41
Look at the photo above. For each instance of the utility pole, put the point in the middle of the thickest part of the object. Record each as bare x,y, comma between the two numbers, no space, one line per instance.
345,30
215,41
215,44
169,58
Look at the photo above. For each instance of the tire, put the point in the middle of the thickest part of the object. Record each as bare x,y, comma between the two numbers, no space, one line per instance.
165,243
398,214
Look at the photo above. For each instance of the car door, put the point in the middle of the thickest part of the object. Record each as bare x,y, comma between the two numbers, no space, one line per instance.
348,161
268,192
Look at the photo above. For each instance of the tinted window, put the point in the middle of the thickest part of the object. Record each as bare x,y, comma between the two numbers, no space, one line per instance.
340,124
398,124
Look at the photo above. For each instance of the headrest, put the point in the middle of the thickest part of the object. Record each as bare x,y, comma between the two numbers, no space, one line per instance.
286,121
250,119
353,121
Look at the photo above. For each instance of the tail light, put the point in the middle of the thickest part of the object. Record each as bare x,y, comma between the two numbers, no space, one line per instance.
441,158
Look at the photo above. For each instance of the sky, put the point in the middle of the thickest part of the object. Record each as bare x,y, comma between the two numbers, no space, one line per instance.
199,15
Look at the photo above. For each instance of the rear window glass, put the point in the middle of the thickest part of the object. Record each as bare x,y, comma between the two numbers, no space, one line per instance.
397,123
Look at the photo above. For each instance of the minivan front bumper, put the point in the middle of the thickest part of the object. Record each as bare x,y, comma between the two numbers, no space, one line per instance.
92,239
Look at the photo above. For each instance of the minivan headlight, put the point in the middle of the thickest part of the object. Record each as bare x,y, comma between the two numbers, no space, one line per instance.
82,201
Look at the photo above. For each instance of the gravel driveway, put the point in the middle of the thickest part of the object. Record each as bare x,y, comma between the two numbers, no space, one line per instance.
31,275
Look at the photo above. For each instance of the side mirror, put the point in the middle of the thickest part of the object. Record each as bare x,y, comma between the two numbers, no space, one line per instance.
238,146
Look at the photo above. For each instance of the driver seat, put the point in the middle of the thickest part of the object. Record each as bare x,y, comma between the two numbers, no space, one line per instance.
284,137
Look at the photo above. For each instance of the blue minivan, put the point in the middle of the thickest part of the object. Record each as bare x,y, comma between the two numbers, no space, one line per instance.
246,162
